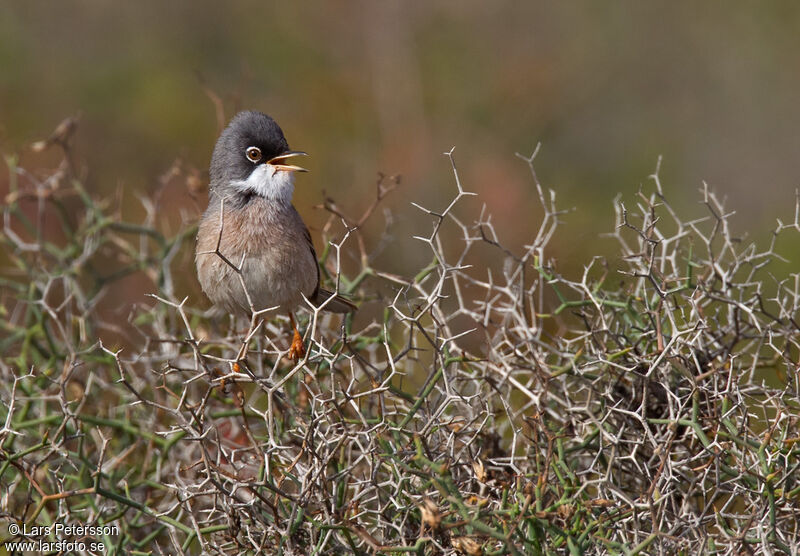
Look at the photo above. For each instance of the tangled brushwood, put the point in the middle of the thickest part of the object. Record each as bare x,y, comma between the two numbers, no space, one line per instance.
649,409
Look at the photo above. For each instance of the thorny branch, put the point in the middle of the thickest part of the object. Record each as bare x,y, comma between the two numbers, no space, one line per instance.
473,412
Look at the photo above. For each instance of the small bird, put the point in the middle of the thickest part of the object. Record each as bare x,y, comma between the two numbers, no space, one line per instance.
254,251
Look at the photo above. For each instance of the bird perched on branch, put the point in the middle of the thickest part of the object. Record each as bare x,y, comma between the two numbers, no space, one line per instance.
253,250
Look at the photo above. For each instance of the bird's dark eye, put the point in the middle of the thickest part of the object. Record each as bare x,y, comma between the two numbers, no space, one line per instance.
253,154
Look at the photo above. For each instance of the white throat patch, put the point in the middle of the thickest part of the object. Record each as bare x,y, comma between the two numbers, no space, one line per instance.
269,182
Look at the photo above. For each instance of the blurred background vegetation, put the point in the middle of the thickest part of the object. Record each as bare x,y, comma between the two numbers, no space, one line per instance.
368,87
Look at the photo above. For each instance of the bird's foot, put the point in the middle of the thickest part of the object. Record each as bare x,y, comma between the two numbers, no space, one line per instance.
297,351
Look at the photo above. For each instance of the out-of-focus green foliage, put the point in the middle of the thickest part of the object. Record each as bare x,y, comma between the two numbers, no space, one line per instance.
388,86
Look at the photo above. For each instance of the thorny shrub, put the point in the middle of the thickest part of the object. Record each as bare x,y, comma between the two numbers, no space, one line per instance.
649,409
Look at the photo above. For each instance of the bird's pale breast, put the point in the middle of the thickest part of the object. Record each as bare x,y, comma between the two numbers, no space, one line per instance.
268,242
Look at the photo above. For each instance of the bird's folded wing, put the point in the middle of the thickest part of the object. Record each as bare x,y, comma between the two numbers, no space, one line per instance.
337,303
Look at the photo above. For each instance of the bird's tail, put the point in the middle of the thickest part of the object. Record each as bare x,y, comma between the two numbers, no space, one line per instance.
338,304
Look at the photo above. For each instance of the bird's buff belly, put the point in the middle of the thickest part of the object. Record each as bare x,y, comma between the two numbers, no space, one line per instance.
268,282
273,274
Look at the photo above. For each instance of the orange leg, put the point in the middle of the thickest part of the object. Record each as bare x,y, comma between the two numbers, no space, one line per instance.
298,350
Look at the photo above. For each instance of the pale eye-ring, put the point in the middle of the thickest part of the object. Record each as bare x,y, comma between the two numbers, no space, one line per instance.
253,154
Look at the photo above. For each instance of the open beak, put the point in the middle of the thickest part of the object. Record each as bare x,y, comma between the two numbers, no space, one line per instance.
278,161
